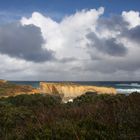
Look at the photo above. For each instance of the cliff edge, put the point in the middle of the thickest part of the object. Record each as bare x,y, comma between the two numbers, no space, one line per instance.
71,90
9,89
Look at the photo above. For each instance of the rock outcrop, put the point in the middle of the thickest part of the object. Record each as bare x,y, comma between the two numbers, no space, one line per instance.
71,90
3,81
9,89
67,91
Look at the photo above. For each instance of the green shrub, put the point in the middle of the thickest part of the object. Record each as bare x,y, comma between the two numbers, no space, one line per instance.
89,117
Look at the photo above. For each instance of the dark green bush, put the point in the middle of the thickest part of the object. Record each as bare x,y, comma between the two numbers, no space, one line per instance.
89,117
32,100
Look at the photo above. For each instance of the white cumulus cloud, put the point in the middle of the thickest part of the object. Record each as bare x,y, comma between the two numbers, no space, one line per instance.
133,17
68,37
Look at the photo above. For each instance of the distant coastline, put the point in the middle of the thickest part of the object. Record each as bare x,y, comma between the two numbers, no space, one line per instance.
124,87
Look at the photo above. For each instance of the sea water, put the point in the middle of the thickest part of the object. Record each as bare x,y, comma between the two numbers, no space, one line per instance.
121,86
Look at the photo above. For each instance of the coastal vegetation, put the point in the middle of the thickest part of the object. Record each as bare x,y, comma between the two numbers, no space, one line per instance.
88,117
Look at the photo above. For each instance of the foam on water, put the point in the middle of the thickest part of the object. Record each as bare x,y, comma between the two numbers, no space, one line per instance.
120,90
129,85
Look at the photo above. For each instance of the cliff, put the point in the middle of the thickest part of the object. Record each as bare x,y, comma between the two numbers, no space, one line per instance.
67,91
10,89
71,90
2,81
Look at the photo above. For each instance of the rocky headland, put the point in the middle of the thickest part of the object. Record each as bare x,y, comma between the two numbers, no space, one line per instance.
69,91
9,89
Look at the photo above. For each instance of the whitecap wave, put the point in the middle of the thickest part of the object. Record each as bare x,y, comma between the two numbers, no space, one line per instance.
120,90
129,85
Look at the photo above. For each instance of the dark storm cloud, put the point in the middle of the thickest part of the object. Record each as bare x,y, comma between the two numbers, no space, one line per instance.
109,65
66,59
133,34
109,46
115,23
113,65
24,42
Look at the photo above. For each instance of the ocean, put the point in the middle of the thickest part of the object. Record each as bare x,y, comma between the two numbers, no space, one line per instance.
125,87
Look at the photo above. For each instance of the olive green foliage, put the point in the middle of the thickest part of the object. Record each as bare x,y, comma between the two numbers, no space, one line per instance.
88,117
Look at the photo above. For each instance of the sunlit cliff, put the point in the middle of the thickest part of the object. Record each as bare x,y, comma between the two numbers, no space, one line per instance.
71,90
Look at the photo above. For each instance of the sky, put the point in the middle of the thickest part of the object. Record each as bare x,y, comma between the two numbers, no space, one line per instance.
68,40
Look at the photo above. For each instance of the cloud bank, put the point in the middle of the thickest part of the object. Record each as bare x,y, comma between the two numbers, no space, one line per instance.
82,46
23,42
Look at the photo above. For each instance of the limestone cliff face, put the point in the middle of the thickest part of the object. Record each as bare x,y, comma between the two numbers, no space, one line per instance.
65,90
70,90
